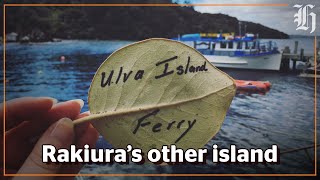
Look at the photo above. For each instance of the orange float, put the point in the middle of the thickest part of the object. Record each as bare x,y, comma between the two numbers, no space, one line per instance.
253,86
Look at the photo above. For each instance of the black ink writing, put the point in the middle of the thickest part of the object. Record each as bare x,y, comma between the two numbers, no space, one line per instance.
166,65
142,122
181,69
126,76
170,124
157,127
167,70
153,113
187,130
121,74
139,75
187,66
108,82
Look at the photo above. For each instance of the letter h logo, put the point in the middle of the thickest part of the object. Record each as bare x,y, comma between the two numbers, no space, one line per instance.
302,17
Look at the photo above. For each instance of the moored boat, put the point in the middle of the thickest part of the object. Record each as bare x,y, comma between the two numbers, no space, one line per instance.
241,52
311,69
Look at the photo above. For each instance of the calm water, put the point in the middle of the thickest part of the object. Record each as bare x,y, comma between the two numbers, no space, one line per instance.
284,116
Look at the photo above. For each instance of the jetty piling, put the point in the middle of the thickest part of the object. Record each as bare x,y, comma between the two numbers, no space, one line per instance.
287,56
302,54
295,47
285,61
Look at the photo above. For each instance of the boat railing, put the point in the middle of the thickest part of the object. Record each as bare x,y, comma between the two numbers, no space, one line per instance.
196,44
247,48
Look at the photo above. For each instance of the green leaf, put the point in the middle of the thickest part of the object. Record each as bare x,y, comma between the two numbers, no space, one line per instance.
135,100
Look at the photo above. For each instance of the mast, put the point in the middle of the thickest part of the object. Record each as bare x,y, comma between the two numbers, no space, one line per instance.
245,28
240,28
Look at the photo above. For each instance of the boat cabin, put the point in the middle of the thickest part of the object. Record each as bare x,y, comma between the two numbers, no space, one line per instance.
229,45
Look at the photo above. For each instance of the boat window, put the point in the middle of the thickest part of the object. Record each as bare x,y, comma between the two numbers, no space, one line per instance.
246,45
239,45
223,45
230,45
253,45
213,45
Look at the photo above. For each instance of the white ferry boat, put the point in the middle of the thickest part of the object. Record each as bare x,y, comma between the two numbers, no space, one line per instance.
241,52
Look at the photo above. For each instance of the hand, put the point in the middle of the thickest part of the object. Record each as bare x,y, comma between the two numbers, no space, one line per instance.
31,122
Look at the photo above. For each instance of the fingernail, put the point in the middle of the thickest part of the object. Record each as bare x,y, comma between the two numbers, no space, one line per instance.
62,128
79,101
54,101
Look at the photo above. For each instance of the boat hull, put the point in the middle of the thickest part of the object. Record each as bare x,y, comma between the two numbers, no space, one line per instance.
263,62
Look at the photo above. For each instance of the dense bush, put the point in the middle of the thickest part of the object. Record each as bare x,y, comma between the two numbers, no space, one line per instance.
131,23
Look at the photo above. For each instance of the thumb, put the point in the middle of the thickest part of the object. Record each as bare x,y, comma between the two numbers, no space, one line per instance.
60,135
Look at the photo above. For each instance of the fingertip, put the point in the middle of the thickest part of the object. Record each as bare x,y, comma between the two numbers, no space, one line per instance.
20,109
80,102
84,114
70,109
46,102
50,99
